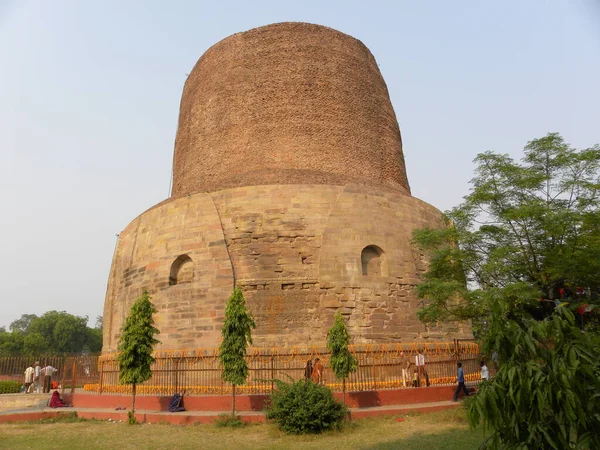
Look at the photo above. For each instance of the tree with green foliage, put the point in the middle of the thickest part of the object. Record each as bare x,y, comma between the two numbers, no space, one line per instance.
342,362
546,394
22,324
526,238
11,344
55,332
526,231
237,335
136,346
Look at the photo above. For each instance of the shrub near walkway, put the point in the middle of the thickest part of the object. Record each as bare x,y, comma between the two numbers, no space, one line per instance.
445,430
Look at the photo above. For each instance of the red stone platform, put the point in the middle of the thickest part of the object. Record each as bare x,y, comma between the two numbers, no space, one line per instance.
206,409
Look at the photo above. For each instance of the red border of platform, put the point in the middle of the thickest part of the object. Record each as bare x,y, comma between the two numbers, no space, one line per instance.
363,399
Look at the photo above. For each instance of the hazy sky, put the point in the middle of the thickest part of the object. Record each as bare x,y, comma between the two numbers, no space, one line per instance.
90,91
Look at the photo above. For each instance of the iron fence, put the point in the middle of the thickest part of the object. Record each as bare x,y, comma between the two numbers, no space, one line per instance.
198,371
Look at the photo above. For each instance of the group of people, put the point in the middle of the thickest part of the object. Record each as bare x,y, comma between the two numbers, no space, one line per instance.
460,379
419,372
314,372
39,379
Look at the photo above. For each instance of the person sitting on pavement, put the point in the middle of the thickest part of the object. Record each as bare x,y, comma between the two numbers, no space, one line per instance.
56,401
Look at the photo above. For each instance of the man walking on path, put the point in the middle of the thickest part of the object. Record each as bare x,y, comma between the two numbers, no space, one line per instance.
405,364
420,363
485,372
318,372
48,371
37,378
29,372
461,383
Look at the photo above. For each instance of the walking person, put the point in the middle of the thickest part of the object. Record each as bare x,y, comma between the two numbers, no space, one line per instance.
37,378
318,372
405,365
420,363
308,370
461,383
485,372
29,372
48,372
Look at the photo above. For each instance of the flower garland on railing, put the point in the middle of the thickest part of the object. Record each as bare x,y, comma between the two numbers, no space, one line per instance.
264,388
286,354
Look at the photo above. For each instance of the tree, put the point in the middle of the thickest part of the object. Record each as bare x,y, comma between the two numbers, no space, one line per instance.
53,332
526,238
23,323
136,346
34,344
62,332
546,394
11,344
526,231
94,337
342,362
237,334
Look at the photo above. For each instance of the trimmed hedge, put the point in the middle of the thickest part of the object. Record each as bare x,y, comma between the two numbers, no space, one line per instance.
10,387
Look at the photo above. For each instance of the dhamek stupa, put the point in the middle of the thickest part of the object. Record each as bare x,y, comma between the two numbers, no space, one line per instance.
289,181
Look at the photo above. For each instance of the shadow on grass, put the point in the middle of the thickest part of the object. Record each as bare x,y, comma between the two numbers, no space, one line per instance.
450,440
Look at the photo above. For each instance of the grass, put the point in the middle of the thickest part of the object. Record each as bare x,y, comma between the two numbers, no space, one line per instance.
444,430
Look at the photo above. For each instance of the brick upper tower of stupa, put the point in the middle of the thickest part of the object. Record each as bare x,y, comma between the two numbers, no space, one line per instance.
284,104
289,181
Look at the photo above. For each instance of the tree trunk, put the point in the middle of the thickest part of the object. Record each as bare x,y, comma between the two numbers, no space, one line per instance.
133,401
233,401
344,391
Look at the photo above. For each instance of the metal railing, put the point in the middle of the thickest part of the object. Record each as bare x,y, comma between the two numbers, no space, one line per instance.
198,371
74,371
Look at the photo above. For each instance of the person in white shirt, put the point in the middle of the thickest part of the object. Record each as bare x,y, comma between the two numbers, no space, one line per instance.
485,372
37,378
405,365
28,378
420,363
48,372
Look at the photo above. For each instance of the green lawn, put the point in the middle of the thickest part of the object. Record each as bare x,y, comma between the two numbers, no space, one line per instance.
445,430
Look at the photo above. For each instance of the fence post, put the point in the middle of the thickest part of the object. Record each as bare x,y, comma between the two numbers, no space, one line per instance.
74,378
176,361
101,376
272,373
221,376
64,376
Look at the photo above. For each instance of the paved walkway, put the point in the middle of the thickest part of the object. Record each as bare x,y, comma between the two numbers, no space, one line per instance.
357,412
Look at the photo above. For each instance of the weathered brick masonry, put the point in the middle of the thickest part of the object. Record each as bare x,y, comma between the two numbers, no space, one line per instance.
300,200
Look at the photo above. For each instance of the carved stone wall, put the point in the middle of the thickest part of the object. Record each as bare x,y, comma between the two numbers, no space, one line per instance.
296,252
289,181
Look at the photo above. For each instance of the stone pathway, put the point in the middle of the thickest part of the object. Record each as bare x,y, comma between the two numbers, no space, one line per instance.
33,413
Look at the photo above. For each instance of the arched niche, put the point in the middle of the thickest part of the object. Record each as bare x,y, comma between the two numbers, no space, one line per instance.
182,270
372,261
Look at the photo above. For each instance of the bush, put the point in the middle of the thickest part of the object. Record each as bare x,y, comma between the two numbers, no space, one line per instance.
305,407
131,420
10,387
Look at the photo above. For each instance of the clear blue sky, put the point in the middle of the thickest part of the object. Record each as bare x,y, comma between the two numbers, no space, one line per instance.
89,98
